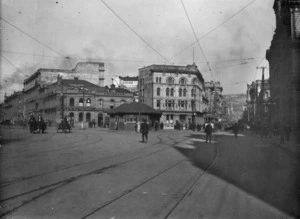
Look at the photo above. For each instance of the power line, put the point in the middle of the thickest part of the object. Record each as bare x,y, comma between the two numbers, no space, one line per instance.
9,61
197,39
127,25
31,37
239,11
123,60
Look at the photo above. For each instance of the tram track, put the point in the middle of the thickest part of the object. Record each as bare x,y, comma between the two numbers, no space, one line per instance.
191,182
67,181
20,179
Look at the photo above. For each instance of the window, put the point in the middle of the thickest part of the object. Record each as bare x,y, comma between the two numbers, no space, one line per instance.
159,79
88,117
180,92
158,103
88,102
170,80
172,92
184,92
158,91
80,117
192,93
100,101
123,102
167,92
81,102
182,81
71,103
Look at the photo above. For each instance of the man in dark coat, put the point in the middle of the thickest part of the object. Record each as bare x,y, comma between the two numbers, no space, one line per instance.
235,129
144,130
32,123
208,131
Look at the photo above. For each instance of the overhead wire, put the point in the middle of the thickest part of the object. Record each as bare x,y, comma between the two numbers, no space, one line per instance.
215,28
138,35
122,60
187,15
31,37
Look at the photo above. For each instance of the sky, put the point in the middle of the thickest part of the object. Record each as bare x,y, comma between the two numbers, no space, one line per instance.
227,39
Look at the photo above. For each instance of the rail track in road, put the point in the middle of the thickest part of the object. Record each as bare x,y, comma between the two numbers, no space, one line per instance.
46,189
54,186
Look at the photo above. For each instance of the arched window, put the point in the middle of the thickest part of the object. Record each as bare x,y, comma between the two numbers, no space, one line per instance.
71,114
81,102
180,92
167,91
170,80
80,117
184,92
88,101
158,91
172,92
182,81
71,103
88,117
100,101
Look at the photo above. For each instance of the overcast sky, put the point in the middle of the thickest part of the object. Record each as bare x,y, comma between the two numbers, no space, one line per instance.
234,36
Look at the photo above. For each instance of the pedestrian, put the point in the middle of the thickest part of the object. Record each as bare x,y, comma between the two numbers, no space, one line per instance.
144,130
41,124
208,131
161,125
156,125
136,127
32,123
235,129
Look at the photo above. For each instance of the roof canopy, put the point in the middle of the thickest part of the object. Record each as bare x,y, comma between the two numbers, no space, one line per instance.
134,108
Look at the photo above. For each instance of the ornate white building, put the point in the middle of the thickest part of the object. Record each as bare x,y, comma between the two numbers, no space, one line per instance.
177,91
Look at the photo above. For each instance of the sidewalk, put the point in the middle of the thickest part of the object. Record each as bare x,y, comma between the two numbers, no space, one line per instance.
291,146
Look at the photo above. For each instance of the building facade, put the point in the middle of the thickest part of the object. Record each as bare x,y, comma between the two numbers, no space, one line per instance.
213,93
258,105
177,91
12,109
284,62
81,101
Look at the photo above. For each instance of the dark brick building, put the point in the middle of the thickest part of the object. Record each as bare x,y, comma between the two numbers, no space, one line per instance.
284,61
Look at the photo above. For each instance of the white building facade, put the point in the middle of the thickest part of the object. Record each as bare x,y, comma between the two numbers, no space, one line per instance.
177,91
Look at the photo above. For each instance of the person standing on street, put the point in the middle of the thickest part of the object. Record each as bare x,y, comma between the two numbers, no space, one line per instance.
235,129
208,131
144,130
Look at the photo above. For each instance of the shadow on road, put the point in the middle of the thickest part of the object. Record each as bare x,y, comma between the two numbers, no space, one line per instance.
265,171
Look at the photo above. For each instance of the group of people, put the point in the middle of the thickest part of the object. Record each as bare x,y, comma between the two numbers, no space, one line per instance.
36,124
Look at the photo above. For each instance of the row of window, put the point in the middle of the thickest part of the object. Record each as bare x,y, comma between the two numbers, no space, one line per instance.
181,92
171,80
88,102
171,104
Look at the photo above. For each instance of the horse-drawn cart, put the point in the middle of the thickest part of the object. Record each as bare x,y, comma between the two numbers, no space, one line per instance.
63,126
